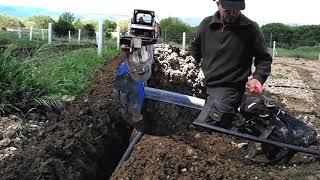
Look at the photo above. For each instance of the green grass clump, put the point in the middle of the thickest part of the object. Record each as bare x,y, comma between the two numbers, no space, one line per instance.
66,74
47,77
16,86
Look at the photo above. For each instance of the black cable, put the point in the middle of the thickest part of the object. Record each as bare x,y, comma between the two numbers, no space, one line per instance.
295,87
257,139
126,155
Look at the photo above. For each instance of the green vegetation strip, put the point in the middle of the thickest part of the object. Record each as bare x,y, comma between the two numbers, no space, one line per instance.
301,52
9,37
47,78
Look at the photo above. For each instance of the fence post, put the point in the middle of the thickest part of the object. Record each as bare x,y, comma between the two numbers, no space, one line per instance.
50,33
274,50
184,40
19,33
31,29
118,37
270,40
100,40
42,34
97,37
165,35
319,56
69,33
79,36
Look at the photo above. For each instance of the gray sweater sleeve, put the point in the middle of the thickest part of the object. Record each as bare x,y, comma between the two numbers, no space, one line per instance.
195,48
263,59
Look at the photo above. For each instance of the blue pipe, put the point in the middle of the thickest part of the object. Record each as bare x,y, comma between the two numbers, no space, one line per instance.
173,98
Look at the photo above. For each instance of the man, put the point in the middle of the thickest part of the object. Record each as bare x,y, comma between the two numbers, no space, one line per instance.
226,44
141,20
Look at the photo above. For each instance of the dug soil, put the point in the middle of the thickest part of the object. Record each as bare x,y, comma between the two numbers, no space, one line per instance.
88,139
186,152
85,142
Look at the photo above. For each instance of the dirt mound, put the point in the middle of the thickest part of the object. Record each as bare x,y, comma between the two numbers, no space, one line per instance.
202,155
173,70
187,152
85,142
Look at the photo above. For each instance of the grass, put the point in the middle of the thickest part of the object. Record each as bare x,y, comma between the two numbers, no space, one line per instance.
15,86
9,37
74,40
47,77
12,37
301,52
68,74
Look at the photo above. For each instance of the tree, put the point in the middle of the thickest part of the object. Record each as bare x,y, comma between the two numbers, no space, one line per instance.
280,33
67,17
89,29
92,22
306,35
172,29
39,21
78,24
123,25
109,26
292,36
8,21
64,24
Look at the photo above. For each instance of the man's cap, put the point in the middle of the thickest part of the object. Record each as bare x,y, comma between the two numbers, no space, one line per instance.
233,4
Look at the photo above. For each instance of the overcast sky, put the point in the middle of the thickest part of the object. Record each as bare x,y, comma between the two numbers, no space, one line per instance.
285,11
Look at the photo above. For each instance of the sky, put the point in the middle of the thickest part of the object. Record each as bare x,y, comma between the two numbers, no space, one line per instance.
284,11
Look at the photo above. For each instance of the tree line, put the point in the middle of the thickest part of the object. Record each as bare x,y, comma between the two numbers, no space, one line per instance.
286,36
171,29
292,36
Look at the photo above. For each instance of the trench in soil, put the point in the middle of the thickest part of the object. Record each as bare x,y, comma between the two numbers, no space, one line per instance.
163,119
85,142
159,119
90,136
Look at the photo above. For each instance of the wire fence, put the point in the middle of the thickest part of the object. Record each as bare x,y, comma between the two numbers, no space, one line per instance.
277,45
289,43
282,42
33,37
41,35
178,40
79,36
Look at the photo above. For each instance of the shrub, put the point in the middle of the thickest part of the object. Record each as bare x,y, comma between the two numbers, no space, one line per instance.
89,29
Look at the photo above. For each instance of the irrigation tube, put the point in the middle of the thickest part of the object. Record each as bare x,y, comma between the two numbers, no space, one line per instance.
257,139
295,87
125,156
174,98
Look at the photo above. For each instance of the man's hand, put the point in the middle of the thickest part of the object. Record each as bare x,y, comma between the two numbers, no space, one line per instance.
255,86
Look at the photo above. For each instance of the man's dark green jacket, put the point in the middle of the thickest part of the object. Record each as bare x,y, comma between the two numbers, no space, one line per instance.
227,52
